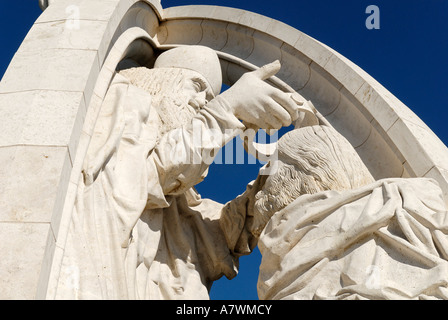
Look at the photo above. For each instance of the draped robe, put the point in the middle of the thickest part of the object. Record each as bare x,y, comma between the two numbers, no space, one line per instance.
139,230
386,240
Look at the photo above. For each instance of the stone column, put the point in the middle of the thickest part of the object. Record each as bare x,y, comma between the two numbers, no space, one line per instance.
44,98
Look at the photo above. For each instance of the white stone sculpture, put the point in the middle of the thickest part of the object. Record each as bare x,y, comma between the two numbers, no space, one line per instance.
327,230
139,230
56,84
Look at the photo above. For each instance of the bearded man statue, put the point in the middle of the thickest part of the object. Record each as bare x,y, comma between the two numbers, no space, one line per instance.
139,230
327,230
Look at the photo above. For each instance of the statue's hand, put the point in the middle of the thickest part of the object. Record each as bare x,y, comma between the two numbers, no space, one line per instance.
259,104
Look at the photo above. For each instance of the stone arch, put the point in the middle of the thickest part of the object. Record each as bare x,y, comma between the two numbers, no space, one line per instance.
72,68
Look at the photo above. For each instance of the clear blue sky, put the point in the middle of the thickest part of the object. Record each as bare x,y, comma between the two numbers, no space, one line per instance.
408,55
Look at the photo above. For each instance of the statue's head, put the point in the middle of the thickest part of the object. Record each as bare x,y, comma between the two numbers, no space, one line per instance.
310,159
182,81
200,59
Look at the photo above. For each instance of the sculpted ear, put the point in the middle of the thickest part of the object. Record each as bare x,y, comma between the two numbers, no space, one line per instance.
268,70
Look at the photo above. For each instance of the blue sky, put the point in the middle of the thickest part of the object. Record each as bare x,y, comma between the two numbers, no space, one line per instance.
407,55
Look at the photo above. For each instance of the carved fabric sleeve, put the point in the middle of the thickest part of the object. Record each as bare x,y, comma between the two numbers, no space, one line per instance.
183,155
238,222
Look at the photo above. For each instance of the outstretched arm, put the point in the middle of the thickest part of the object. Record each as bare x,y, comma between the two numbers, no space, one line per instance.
184,154
238,222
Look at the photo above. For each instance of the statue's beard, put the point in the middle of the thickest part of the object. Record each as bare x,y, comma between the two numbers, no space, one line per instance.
165,86
175,112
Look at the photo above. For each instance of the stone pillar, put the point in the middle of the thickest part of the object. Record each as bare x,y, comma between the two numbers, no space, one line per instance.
44,98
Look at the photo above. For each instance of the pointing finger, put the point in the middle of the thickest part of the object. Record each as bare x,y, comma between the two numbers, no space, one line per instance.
268,70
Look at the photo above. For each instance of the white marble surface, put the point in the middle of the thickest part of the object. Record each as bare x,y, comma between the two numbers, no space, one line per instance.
51,83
